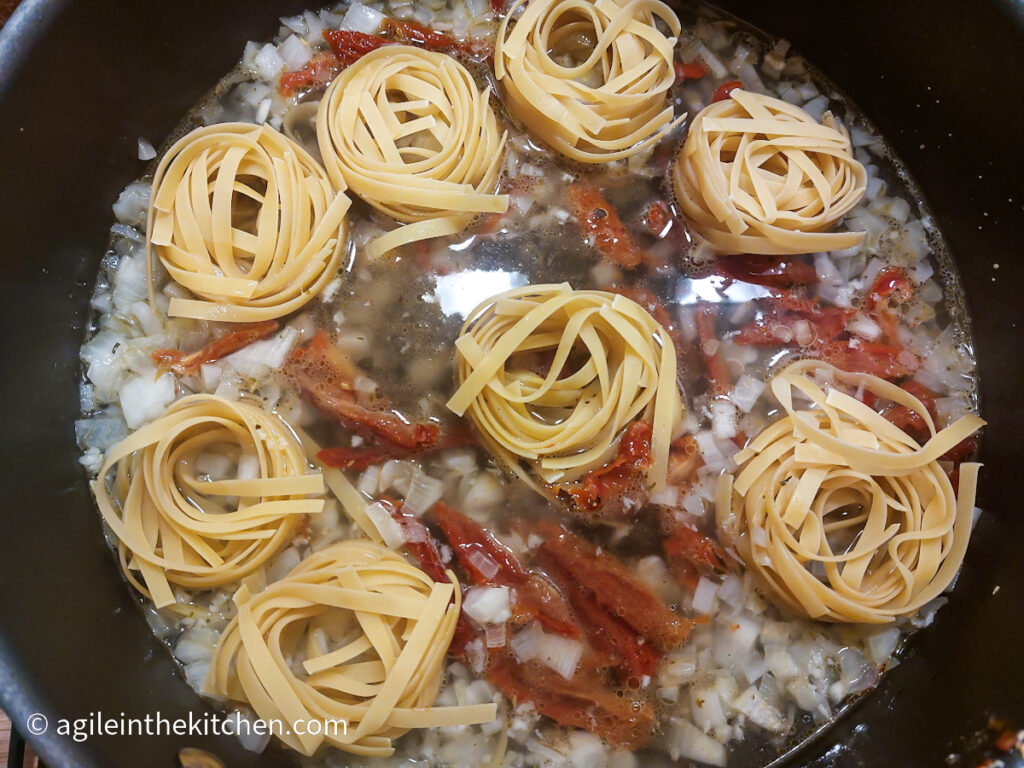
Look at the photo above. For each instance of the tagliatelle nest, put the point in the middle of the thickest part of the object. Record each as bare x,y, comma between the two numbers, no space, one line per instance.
840,514
590,77
176,527
610,364
409,132
759,175
247,220
353,635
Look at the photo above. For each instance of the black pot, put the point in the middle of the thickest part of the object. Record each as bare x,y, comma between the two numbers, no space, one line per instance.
80,81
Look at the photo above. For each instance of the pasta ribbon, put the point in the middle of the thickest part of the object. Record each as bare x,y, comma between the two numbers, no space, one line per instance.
759,175
245,219
590,77
353,635
176,526
841,515
608,363
409,131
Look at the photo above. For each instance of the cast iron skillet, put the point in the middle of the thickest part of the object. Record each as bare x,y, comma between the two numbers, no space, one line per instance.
80,81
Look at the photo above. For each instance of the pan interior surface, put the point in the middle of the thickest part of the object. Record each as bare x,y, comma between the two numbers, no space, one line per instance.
72,641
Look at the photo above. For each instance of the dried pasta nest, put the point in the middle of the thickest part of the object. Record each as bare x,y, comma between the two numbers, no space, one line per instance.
590,78
759,175
353,635
607,364
247,220
840,514
177,525
409,132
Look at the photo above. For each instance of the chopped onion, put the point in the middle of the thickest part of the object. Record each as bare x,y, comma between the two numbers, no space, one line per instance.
196,644
462,461
216,466
131,283
133,204
875,189
882,644
694,505
362,18
248,467
369,480
476,655
922,272
315,27
522,203
735,639
196,673
687,741
753,668
151,324
483,563
704,595
484,492
296,24
666,497
282,565
707,710
760,712
268,62
143,398
679,667
416,534
210,374
263,111
779,662
390,530
855,669
559,653
496,635
146,151
865,327
488,605
398,475
424,492
99,431
259,358
295,52
807,91
586,750
746,392
731,591
723,419
713,62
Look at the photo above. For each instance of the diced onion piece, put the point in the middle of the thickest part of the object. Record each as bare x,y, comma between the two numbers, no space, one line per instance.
559,653
268,62
146,151
688,742
488,605
143,398
424,492
496,635
295,52
723,419
390,530
704,595
881,645
746,392
483,563
362,18
759,711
